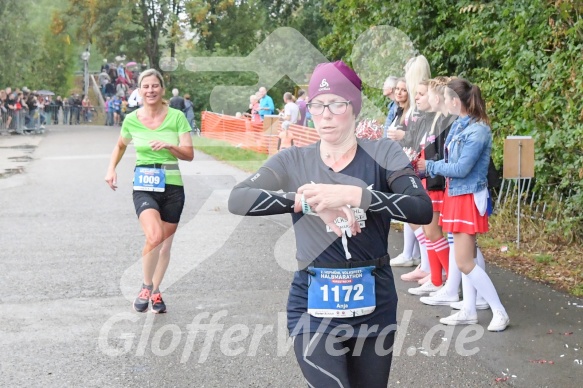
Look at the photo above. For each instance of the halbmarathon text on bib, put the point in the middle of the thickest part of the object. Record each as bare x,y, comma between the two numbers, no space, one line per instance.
341,292
149,179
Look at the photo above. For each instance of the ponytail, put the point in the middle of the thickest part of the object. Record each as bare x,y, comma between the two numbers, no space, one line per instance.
470,97
477,107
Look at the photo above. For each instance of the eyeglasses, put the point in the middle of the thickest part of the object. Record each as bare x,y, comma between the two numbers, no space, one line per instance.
336,108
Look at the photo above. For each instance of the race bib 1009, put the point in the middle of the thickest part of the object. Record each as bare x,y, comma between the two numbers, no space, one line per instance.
149,179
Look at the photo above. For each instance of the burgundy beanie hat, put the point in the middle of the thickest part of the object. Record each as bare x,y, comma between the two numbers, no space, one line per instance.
337,78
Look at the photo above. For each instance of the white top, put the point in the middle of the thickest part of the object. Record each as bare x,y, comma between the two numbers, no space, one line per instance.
293,110
481,201
135,99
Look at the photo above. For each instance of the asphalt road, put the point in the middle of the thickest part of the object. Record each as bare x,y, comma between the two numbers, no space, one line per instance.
70,251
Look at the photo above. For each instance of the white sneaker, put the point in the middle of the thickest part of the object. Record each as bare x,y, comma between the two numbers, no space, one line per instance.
401,261
424,289
439,298
499,322
460,318
480,305
416,260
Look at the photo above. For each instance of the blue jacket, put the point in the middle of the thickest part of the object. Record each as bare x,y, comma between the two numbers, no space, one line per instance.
393,106
467,158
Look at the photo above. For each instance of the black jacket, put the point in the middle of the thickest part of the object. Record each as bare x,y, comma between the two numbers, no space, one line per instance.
419,124
434,149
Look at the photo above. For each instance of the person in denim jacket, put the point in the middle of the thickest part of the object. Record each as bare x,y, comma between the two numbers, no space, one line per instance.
389,92
467,156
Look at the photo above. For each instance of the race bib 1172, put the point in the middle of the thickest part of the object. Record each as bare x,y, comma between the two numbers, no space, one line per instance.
341,292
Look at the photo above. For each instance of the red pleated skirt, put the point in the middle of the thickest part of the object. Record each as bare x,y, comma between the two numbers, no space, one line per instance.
459,214
436,200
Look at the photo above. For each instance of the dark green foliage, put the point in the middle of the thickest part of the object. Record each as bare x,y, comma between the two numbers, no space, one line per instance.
32,55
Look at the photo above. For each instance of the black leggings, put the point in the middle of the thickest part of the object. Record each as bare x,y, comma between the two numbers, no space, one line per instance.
354,362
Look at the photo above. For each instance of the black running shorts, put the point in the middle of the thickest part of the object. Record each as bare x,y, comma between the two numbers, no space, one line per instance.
168,203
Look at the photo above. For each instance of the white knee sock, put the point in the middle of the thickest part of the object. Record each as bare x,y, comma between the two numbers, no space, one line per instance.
416,251
454,276
469,295
480,259
481,281
422,249
409,241
482,263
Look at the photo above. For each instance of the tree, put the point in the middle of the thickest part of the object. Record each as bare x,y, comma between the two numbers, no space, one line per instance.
15,43
137,28
39,62
235,26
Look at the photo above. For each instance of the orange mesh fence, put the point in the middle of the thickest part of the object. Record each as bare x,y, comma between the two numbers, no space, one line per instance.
259,137
303,136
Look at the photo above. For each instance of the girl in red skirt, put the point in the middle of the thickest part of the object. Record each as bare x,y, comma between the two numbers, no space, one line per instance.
467,156
432,141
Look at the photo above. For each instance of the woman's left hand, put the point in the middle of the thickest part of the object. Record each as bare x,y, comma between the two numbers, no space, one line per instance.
322,196
157,145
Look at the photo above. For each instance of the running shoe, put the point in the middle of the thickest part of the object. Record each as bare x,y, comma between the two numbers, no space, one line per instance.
460,318
440,298
481,304
414,275
158,305
499,321
424,289
143,300
401,261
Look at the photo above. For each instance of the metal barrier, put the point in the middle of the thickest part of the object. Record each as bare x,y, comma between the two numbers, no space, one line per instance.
543,204
258,137
22,121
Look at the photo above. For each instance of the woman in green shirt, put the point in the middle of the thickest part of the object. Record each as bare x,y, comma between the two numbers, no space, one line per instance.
161,136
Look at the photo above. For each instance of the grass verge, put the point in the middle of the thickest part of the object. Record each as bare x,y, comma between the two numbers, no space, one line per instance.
545,255
243,159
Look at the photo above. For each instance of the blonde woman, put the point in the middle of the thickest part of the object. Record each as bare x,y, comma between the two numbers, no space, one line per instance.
416,71
161,137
